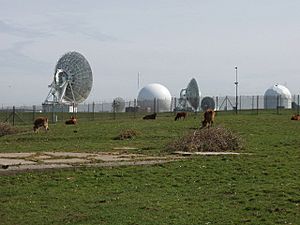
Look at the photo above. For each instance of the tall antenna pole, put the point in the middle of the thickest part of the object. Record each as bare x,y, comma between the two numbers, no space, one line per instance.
236,91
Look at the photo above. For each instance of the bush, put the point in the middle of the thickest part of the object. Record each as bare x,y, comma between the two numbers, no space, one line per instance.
6,129
207,140
127,134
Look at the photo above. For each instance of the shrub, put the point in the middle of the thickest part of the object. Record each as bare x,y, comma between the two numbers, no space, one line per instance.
6,129
127,134
207,140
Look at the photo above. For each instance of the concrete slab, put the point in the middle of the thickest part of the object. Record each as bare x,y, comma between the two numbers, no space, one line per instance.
66,161
206,153
11,170
124,148
31,168
17,155
70,154
110,158
7,161
42,157
12,163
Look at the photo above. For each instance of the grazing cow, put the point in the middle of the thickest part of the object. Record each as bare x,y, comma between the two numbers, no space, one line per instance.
295,117
180,115
150,117
71,121
40,122
209,117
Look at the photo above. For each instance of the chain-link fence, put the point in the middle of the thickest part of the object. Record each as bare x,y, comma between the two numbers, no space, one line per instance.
136,109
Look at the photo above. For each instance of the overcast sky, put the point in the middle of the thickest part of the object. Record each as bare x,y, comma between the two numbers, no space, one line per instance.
166,41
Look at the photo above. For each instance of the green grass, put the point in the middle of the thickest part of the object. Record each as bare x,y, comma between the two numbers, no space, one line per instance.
98,135
261,188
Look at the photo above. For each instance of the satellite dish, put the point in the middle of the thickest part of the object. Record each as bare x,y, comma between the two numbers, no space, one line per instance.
190,95
118,104
73,80
207,103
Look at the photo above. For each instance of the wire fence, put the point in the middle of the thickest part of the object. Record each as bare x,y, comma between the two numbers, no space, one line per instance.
21,115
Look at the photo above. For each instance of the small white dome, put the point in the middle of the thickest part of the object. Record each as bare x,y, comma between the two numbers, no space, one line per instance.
155,92
278,89
277,96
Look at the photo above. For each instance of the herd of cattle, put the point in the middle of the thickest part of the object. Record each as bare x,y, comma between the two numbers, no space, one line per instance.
43,122
208,120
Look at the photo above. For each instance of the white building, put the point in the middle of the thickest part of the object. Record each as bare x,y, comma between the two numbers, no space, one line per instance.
154,98
277,96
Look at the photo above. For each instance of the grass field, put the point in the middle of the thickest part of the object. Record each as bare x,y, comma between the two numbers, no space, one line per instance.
260,188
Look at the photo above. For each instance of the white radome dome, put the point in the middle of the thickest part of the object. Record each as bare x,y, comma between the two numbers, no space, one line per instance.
277,95
155,92
278,89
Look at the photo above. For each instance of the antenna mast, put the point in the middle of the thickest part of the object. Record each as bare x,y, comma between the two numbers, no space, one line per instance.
236,90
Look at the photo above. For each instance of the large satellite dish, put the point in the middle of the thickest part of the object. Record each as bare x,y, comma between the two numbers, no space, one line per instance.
118,104
73,80
190,95
207,103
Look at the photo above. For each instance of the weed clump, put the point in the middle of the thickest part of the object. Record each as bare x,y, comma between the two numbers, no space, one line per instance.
6,129
207,140
127,134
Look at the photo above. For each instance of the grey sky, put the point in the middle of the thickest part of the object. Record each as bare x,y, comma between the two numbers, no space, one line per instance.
167,41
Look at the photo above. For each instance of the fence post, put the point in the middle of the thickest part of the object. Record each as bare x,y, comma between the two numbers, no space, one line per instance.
74,113
13,116
277,104
298,106
257,104
33,112
134,108
62,112
175,105
114,109
53,115
7,112
93,110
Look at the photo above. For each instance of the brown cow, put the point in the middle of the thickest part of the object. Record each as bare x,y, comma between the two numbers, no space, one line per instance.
40,122
209,117
150,117
179,115
295,117
71,121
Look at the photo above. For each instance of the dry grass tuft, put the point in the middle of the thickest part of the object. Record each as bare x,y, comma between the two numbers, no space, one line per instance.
127,134
6,129
207,140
